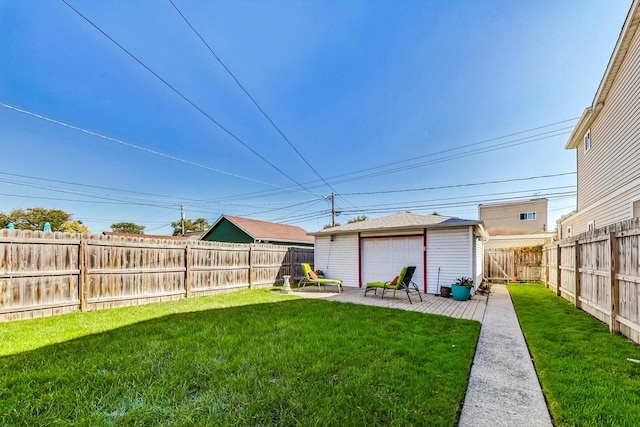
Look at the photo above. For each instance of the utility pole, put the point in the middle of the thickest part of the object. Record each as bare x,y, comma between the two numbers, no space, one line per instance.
182,219
333,210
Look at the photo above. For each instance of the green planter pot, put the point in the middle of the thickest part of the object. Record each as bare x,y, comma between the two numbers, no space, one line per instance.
460,293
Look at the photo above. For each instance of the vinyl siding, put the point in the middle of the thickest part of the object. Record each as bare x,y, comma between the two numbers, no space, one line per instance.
608,210
508,215
449,250
479,261
338,259
225,231
613,160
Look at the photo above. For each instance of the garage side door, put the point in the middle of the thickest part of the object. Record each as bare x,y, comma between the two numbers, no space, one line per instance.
383,258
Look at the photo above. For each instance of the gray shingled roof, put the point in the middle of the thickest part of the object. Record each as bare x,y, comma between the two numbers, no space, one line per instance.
399,221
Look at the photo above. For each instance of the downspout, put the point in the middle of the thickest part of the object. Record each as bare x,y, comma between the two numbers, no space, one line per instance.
472,253
424,243
359,259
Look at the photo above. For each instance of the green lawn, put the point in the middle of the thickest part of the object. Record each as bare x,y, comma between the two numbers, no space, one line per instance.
227,360
583,369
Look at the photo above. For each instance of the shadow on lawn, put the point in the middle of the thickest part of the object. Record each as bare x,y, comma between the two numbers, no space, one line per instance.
291,362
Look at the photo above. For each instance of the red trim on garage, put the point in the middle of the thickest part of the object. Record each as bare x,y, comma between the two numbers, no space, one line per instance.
424,242
359,259
389,236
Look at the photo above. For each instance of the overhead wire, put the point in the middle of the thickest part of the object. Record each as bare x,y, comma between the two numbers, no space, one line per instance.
141,148
188,100
165,200
470,184
508,144
246,92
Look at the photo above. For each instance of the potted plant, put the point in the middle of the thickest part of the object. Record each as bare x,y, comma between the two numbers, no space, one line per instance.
461,290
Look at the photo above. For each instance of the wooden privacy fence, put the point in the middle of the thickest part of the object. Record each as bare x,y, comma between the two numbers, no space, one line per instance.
44,274
599,272
505,264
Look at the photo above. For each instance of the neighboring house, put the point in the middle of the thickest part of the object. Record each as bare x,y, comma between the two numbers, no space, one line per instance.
607,141
510,237
234,229
442,248
528,214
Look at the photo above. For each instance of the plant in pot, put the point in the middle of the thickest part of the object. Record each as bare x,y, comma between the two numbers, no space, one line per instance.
461,290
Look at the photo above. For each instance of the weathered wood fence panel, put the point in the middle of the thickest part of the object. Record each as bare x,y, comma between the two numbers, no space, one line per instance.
505,264
43,274
599,272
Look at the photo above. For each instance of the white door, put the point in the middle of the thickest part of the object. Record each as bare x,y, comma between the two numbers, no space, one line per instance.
383,258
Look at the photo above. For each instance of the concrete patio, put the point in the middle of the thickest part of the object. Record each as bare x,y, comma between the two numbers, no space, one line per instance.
473,309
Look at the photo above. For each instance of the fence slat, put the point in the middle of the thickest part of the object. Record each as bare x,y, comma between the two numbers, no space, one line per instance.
577,275
614,324
43,274
606,268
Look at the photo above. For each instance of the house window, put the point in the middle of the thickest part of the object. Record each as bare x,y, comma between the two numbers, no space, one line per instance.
528,216
569,231
587,140
636,209
591,225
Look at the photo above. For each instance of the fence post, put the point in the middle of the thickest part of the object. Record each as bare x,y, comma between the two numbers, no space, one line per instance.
251,271
187,271
546,267
558,270
614,325
292,263
82,288
576,262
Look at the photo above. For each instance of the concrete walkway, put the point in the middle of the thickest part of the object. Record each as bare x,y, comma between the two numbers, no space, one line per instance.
503,388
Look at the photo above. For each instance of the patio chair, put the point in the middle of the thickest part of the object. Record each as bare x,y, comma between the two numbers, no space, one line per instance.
401,282
311,278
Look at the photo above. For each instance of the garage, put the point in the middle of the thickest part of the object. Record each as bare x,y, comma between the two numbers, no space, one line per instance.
441,248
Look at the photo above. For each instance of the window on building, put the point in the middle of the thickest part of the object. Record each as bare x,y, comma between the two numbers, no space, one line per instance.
636,209
591,225
569,231
587,140
527,216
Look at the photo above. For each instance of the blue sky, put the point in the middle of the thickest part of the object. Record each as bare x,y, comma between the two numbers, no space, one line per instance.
397,106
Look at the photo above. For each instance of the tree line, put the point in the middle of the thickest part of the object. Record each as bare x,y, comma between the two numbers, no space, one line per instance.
35,219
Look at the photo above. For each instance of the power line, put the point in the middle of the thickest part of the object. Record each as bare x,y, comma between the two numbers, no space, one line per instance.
462,185
246,92
141,148
185,98
496,147
508,144
133,200
439,203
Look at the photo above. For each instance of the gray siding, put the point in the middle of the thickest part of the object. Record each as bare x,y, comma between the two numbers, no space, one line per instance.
613,161
338,259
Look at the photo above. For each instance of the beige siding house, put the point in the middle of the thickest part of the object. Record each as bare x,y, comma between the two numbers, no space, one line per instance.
607,141
528,215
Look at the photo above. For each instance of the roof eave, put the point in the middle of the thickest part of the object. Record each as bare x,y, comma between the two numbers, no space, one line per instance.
590,114
580,129
465,223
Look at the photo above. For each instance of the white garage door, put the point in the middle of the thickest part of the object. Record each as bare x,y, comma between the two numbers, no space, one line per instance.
382,259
